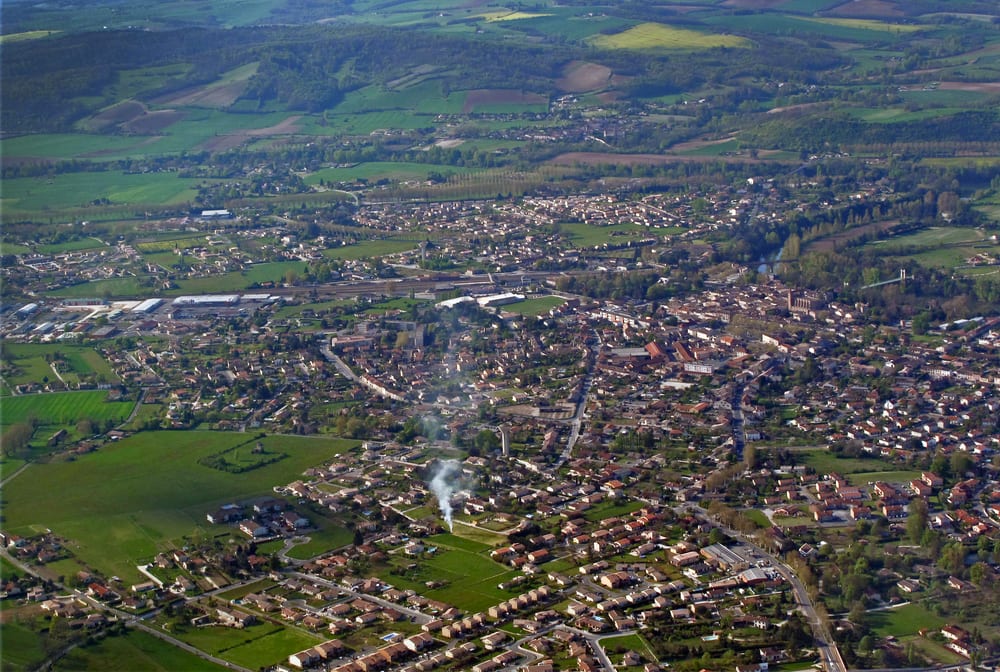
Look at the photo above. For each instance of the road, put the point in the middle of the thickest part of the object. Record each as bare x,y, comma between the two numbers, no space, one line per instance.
130,620
417,616
825,645
593,348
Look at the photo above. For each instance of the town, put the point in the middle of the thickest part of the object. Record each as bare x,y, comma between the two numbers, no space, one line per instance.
546,469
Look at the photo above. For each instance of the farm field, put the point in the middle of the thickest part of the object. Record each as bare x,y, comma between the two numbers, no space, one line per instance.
64,408
74,191
135,650
153,492
378,170
661,36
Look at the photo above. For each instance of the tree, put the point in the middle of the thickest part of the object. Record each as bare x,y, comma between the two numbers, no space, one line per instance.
916,523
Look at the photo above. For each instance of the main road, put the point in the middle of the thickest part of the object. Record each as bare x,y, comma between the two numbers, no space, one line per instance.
825,645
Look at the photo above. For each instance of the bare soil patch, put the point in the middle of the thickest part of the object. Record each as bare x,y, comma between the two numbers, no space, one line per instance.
698,144
478,97
581,76
152,122
221,143
217,96
867,8
792,108
117,114
981,87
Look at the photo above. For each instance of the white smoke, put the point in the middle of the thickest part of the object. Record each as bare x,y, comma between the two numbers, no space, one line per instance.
444,483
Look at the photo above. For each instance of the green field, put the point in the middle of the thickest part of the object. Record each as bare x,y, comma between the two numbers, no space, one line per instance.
49,196
369,249
64,408
471,576
329,535
903,621
26,363
374,171
152,491
590,235
661,36
809,28
825,462
535,306
21,647
136,650
256,646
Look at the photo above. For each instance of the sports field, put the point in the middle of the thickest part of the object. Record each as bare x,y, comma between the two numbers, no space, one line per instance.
124,503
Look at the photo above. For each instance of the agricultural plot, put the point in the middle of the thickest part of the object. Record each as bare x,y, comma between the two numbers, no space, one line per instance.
50,196
61,409
787,25
661,36
153,492
62,146
381,170
570,25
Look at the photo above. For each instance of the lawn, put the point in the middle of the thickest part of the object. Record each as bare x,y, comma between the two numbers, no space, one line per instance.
903,621
329,536
137,651
152,493
865,477
256,646
470,577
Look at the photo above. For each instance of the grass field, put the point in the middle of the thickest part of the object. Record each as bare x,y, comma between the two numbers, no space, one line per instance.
471,577
45,197
534,306
255,646
589,235
136,650
862,478
152,490
906,620
807,27
369,249
28,363
21,647
825,462
64,408
328,536
660,36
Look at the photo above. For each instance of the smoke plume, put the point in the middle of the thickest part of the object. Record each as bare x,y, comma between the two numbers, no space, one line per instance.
444,482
